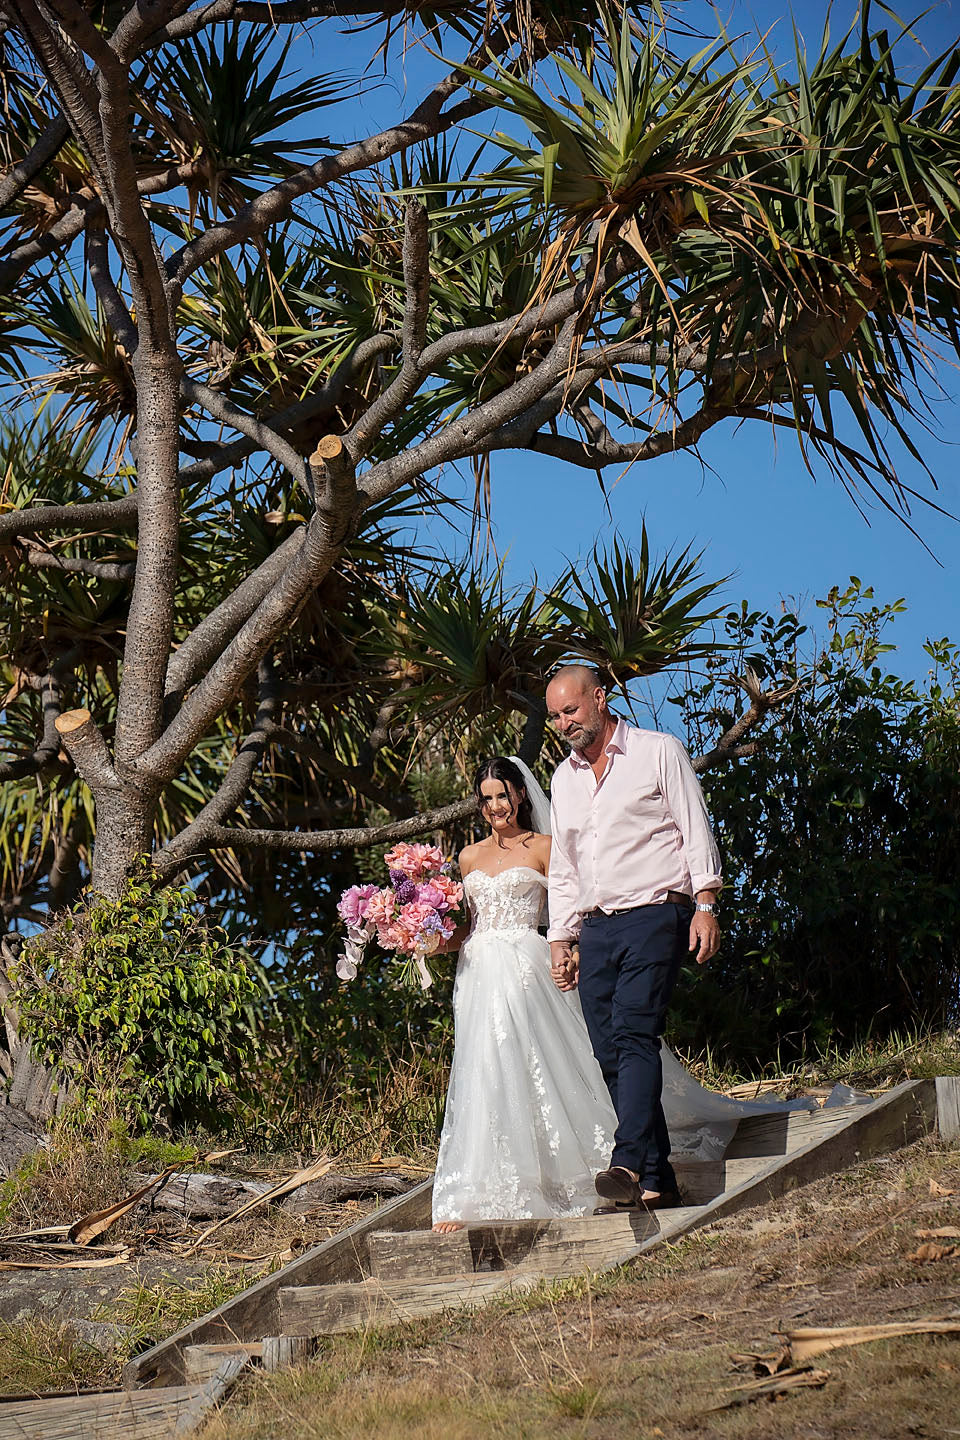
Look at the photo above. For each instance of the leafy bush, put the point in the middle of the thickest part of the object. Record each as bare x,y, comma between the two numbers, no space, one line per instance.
140,1003
840,836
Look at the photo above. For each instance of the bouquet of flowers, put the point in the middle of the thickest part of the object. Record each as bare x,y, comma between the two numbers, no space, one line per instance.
412,916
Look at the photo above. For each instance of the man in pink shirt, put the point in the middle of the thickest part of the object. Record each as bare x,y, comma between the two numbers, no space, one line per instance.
634,876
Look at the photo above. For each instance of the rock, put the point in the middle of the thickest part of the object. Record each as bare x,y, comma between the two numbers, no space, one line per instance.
19,1137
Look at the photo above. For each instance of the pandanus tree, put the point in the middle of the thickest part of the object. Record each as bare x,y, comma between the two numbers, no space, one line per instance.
240,356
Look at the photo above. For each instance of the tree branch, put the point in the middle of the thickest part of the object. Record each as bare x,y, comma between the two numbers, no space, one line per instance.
257,431
357,838
318,547
41,559
204,644
37,520
43,150
416,280
273,204
83,741
235,784
607,451
730,746
468,434
48,748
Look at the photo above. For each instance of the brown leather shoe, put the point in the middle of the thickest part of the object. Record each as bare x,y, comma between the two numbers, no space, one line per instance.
618,1184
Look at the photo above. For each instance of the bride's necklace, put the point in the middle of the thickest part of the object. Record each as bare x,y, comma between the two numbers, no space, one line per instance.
509,849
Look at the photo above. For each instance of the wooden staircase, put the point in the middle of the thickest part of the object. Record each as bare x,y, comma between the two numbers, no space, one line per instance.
390,1267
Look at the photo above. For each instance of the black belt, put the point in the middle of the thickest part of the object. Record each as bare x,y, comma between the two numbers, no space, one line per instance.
673,897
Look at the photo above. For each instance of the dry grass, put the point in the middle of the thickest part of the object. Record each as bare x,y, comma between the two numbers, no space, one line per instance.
648,1349
40,1356
868,1065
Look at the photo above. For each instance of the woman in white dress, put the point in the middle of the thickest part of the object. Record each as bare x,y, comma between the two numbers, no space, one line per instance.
528,1120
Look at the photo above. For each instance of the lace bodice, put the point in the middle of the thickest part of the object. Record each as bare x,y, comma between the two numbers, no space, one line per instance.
510,902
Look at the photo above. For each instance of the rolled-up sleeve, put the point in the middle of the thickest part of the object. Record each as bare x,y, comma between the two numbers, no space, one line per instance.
563,885
681,790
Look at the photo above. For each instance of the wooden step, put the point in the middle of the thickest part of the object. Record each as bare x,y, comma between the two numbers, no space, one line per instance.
272,1353
553,1247
770,1155
332,1309
699,1180
783,1132
121,1415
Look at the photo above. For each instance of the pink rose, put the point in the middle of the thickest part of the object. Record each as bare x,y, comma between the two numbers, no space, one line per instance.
449,889
354,905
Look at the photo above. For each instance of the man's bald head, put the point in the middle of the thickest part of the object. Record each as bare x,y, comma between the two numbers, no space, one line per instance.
577,705
587,677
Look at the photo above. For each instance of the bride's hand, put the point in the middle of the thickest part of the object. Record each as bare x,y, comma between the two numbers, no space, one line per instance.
564,965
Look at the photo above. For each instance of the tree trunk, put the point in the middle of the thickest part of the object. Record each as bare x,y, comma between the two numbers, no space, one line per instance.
31,1088
124,832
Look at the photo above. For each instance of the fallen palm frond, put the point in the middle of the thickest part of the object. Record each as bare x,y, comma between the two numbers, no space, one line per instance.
284,1187
770,1386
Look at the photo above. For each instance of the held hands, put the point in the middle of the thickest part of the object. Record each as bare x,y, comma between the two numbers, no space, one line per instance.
564,964
704,936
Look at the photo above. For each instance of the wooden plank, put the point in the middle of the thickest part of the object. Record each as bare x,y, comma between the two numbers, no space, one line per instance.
553,1246
419,1252
699,1180
145,1415
201,1362
784,1131
948,1106
903,1115
282,1351
799,1146
334,1309
256,1312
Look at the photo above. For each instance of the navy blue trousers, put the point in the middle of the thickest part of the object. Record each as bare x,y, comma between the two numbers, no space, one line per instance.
628,968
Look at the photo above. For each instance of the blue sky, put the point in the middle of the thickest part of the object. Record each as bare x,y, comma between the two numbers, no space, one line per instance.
751,506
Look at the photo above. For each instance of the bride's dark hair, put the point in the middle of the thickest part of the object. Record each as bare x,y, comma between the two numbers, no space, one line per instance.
498,767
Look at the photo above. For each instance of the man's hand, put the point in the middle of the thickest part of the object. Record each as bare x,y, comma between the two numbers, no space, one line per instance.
564,965
704,936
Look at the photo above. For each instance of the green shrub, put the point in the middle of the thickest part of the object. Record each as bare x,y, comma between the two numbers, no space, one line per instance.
140,1003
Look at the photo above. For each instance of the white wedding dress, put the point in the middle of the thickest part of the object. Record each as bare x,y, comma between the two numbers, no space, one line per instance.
529,1121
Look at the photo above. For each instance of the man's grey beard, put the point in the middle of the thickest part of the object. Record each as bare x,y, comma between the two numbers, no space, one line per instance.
585,736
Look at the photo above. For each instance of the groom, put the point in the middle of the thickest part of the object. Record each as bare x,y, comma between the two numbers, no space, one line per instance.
634,875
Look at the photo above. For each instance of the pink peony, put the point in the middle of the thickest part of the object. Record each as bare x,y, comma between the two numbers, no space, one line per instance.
414,917
429,893
415,861
392,937
382,907
354,904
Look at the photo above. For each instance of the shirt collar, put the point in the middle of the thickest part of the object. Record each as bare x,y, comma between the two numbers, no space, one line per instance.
617,741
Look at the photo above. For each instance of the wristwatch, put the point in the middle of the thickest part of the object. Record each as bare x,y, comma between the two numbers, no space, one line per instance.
706,909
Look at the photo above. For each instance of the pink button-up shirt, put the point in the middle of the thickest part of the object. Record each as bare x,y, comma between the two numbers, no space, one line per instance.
626,840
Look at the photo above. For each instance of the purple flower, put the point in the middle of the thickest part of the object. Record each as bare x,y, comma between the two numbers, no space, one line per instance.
432,925
398,877
405,891
353,905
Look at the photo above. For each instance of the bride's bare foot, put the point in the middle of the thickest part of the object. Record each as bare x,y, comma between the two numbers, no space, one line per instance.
447,1227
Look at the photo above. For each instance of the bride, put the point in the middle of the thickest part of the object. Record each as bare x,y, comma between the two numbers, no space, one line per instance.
528,1120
